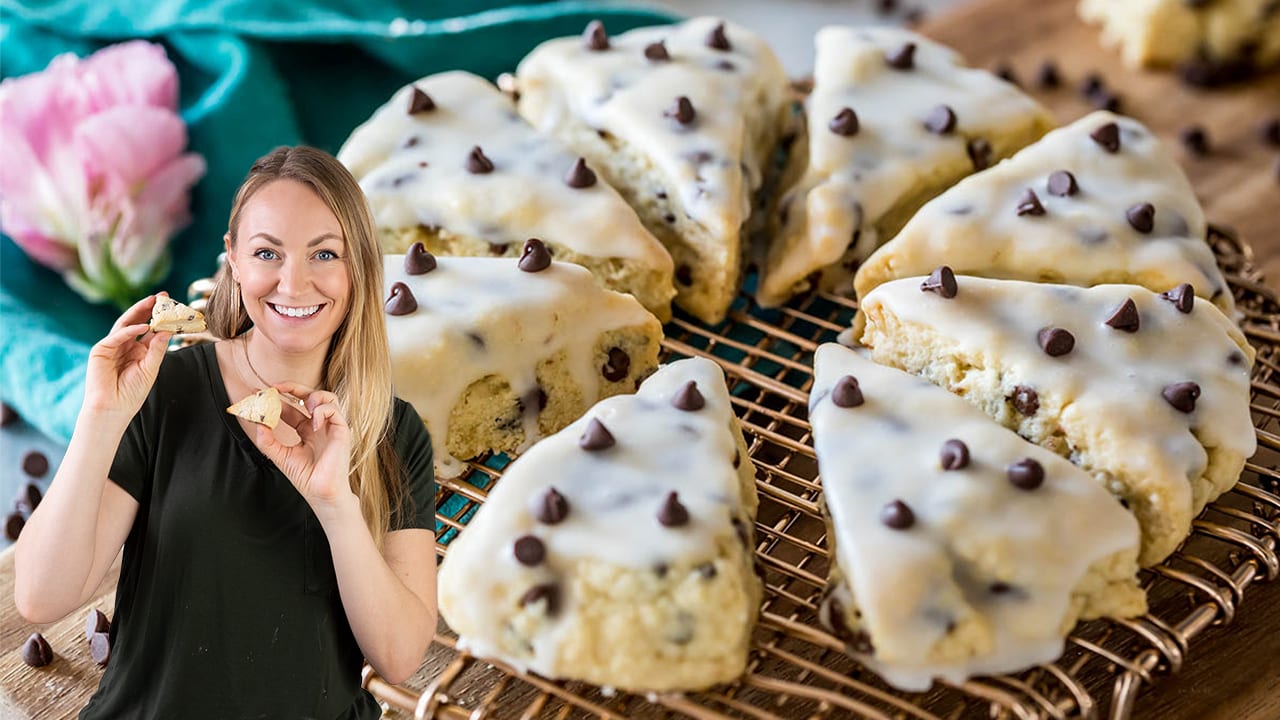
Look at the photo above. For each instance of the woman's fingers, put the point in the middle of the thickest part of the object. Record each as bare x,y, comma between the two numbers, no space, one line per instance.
137,312
119,336
311,397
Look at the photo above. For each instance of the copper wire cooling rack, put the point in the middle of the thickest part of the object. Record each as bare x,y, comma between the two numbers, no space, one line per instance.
796,668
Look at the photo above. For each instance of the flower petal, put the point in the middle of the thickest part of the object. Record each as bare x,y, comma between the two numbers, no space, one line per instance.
122,147
130,73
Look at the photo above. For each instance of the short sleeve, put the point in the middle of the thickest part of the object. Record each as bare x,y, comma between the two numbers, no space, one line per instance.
131,468
413,445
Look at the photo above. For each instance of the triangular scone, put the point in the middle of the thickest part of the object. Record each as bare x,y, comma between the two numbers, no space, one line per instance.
493,356
417,162
682,119
619,551
1148,393
1068,209
262,407
960,549
894,119
1222,41
169,315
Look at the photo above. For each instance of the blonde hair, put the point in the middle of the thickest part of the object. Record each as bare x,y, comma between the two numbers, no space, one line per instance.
358,365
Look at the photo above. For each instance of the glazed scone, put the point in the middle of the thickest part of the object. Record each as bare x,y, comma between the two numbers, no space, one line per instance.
495,353
893,119
619,551
169,315
1147,392
682,119
447,162
1069,209
1226,38
960,548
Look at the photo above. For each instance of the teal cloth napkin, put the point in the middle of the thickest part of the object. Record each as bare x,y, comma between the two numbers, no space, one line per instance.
253,74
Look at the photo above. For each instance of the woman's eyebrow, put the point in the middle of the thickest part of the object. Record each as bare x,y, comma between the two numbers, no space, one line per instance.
276,241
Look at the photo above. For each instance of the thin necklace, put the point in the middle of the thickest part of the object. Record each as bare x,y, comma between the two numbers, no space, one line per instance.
245,348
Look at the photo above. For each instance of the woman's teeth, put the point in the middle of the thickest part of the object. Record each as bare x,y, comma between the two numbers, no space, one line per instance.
298,312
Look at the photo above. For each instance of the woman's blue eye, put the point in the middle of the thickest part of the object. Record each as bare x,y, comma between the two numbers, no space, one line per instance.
264,254
327,255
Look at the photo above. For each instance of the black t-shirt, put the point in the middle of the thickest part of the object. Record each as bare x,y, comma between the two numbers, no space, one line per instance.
227,605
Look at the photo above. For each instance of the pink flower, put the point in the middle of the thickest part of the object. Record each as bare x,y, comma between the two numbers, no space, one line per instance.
93,178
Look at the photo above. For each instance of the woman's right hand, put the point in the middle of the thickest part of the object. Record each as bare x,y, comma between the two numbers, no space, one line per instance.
123,365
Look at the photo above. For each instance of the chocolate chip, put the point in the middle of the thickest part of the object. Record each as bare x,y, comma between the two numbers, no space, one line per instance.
846,393
1106,100
28,499
35,464
1062,184
661,570
726,66
1182,396
1047,76
1236,358
1142,217
672,513
580,176
420,102
1108,136
1055,342
940,120
418,261
1029,203
498,249
845,123
1092,85
401,300
1125,317
886,7
737,459
529,550
617,366
477,163
1269,131
999,588
941,281
596,437
902,58
1005,73
897,515
535,257
706,570
682,110
95,622
1183,297
671,219
545,592
1195,140
689,398
8,415
955,455
979,153
13,524
684,273
717,40
100,649
1025,400
594,37
1026,474
657,52
36,651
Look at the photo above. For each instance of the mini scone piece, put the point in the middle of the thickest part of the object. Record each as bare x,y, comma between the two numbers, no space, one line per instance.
619,551
682,119
1098,201
495,353
447,162
1147,392
960,549
169,315
1227,38
262,407
893,119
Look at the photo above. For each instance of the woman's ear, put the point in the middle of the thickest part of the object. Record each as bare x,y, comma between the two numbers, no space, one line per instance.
226,246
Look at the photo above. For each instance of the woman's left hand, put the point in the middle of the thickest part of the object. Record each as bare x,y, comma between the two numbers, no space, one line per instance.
319,466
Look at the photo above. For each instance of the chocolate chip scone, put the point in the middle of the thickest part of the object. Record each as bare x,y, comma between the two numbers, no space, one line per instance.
893,119
449,163
495,353
682,119
1098,201
960,549
619,551
1148,392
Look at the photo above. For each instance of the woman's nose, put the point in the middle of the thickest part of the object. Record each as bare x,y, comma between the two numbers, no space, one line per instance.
295,276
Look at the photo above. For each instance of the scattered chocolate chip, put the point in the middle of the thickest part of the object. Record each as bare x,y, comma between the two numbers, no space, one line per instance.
1195,140
1029,203
8,415
1055,342
941,281
100,649
979,153
1047,76
897,515
845,123
617,366
35,464
682,111
1182,396
1005,73
1269,131
1025,474
95,622
1142,217
401,300
535,257
498,249
1108,136
529,550
420,102
418,261
596,437
1183,297
594,37
940,120
36,651
661,570
955,455
29,497
737,459
671,219
886,7
707,570
902,58
689,398
1235,358
580,176
657,52
684,273
544,592
1092,85
1062,184
717,40
1025,400
13,524
1125,317
672,513
999,588
846,393
477,163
